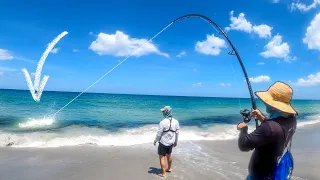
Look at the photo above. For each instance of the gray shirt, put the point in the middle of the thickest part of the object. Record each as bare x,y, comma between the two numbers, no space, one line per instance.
168,138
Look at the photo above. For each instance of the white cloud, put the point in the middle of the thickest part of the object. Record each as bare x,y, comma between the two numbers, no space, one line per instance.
120,44
303,7
240,23
55,50
91,33
260,79
211,46
5,55
197,84
75,50
312,36
276,48
289,58
225,84
275,1
260,63
311,80
182,53
263,30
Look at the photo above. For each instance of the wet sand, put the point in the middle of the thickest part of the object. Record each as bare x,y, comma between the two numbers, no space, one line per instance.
85,163
192,160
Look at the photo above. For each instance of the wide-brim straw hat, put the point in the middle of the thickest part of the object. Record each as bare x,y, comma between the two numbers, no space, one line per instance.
278,96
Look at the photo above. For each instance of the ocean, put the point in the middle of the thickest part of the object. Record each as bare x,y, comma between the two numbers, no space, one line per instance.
122,120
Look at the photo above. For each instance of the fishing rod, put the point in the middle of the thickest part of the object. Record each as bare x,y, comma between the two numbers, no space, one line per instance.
246,114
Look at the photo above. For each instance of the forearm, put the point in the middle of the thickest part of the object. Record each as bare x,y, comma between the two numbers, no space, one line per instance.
176,140
157,138
243,140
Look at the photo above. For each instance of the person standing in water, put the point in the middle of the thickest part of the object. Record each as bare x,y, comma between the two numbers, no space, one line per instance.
167,136
272,137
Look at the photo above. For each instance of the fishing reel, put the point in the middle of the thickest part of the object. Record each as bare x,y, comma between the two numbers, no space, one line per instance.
246,114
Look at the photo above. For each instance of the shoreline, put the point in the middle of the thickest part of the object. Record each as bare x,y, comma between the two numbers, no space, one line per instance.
201,160
220,160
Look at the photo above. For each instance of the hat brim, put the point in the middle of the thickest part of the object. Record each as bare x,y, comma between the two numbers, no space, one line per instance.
165,108
266,97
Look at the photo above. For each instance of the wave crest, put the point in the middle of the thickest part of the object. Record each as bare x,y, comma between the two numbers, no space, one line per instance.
310,120
36,123
77,135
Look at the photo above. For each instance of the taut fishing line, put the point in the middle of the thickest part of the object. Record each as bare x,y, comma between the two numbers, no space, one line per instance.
245,113
230,52
112,69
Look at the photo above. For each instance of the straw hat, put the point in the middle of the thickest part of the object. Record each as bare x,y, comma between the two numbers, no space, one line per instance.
278,96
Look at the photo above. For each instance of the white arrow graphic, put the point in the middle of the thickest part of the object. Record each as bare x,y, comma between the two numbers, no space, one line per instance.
36,89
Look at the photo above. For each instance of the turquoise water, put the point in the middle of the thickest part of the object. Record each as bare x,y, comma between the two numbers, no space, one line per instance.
112,119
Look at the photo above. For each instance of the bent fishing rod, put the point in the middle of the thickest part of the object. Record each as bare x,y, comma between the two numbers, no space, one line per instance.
246,114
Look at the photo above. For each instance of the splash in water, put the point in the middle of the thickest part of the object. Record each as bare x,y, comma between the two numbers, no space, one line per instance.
36,123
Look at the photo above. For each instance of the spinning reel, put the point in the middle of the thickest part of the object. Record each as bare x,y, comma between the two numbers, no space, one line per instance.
246,114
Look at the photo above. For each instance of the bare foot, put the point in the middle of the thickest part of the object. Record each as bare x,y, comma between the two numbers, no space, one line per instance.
163,175
169,170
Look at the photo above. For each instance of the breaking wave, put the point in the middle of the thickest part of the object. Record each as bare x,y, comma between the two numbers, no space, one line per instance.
75,135
36,123
83,135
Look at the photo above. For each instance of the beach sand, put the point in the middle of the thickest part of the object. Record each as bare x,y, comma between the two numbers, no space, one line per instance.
192,160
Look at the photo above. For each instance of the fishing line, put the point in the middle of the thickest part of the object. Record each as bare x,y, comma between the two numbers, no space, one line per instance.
234,76
245,113
230,52
230,62
113,69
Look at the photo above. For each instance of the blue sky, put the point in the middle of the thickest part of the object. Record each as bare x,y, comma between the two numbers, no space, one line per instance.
277,40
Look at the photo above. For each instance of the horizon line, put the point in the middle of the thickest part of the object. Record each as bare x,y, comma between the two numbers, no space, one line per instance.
137,94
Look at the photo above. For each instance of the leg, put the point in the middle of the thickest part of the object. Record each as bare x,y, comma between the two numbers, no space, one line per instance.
163,165
162,155
169,158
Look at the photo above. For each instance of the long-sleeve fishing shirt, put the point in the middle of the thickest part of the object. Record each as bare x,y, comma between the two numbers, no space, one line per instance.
165,135
268,142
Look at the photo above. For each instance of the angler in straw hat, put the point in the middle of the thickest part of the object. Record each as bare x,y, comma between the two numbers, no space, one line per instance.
272,137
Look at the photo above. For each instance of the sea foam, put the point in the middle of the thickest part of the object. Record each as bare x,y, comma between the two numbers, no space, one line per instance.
79,135
75,135
35,123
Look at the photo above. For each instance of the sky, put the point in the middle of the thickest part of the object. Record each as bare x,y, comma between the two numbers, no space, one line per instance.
278,40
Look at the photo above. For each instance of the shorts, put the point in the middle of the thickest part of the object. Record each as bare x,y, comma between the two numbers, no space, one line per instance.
164,150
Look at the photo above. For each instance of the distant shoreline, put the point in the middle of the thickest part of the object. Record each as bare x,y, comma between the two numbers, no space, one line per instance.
132,94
